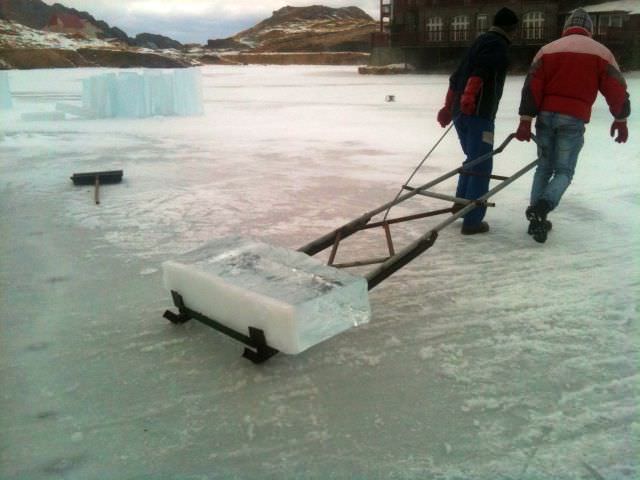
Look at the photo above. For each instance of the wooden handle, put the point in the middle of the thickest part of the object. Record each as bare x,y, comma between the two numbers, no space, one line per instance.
97,190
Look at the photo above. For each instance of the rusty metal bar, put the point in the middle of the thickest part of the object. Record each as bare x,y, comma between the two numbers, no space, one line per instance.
334,250
387,232
399,260
409,218
361,263
476,174
450,198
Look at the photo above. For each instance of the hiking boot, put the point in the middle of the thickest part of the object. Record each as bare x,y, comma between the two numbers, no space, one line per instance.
548,224
539,226
482,227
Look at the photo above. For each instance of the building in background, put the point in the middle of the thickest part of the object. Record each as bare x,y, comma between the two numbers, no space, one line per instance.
433,34
71,24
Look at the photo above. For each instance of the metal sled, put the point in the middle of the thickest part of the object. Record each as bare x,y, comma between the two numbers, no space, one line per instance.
398,259
259,351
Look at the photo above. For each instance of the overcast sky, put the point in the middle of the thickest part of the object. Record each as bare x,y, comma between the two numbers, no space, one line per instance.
195,21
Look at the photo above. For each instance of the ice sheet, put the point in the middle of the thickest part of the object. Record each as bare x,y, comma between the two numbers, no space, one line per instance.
486,358
297,300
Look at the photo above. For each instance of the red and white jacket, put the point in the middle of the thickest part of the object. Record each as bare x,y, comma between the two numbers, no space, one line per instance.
567,74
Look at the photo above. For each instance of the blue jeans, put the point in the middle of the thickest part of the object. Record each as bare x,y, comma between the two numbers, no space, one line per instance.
560,139
476,139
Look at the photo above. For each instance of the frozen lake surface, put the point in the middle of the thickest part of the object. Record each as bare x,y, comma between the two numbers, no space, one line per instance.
489,357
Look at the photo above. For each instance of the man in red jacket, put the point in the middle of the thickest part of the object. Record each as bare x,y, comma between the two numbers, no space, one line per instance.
560,89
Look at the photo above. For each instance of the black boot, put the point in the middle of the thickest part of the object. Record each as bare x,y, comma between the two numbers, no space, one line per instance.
539,226
530,229
482,227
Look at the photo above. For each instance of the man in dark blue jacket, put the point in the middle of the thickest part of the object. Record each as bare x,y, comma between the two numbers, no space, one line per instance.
475,90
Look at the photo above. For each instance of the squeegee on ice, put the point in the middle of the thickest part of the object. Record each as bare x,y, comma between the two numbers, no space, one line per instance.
277,300
97,178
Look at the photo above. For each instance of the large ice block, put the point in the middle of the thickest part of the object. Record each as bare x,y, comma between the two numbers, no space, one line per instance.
5,91
140,95
295,299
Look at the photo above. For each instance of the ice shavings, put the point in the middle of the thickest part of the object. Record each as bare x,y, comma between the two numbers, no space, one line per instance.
297,300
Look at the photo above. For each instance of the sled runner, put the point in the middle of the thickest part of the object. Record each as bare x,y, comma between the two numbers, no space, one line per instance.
261,339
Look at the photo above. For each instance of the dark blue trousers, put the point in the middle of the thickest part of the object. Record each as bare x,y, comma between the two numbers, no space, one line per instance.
476,138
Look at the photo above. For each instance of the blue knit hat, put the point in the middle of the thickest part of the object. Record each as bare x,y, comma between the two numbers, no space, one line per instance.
579,18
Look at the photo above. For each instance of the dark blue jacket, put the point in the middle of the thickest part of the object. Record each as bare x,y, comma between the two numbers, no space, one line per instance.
487,59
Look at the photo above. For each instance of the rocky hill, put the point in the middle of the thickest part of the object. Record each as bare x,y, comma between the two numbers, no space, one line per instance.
305,29
23,47
36,14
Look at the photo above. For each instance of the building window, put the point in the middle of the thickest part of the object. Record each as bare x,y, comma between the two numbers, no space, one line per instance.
482,23
605,22
533,25
434,29
460,28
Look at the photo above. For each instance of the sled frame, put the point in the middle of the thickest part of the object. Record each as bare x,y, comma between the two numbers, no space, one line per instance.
396,259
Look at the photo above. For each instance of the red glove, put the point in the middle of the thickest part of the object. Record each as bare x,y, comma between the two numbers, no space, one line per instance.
444,115
524,130
468,99
620,126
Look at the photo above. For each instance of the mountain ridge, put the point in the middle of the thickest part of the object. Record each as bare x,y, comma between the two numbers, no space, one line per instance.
305,29
36,14
292,35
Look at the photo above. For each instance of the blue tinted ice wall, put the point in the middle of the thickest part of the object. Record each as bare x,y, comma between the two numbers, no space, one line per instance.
144,94
5,91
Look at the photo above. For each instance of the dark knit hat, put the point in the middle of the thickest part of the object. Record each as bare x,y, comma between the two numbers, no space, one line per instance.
506,19
579,18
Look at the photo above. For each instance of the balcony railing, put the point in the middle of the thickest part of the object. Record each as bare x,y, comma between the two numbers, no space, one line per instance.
448,37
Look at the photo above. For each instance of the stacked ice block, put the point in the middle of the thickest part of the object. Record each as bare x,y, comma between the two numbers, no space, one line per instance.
295,299
145,94
5,92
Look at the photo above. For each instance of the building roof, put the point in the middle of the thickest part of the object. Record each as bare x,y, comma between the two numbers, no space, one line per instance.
632,7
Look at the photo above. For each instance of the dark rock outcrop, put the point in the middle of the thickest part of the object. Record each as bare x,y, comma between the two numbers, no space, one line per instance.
129,59
226,44
152,40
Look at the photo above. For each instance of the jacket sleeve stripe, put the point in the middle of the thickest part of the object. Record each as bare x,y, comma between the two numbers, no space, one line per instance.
614,89
532,90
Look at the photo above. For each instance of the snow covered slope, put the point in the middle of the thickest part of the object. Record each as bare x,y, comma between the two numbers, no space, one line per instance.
16,35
